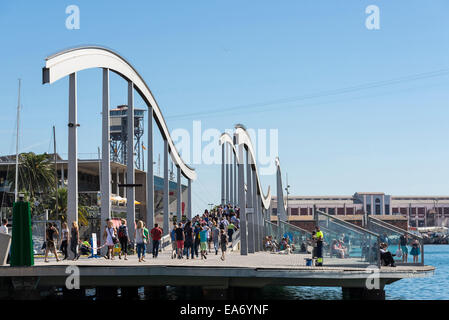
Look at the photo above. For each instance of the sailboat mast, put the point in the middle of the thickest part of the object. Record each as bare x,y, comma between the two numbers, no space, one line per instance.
16,194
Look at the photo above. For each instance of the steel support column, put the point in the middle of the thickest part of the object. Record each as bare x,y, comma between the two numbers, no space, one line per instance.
189,198
223,174
105,186
249,202
72,183
178,196
255,216
166,189
242,202
130,192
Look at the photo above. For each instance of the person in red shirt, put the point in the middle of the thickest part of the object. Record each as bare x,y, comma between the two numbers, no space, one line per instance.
156,235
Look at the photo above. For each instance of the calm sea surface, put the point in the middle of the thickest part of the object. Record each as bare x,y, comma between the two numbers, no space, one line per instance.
435,287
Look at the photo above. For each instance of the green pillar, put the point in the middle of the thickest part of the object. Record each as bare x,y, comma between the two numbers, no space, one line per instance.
22,243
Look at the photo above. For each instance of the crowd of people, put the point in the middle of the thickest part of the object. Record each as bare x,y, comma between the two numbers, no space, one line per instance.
193,238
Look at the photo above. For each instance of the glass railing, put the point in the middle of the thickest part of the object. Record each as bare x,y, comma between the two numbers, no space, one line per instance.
299,239
346,243
391,235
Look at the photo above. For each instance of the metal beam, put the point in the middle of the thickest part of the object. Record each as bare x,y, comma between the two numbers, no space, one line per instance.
150,172
222,174
130,192
105,186
249,202
242,203
166,189
189,203
255,215
72,184
179,197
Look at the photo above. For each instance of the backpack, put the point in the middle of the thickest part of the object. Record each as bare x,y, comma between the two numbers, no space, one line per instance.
121,232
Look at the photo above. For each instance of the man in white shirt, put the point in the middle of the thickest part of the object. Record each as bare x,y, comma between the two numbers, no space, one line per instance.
4,227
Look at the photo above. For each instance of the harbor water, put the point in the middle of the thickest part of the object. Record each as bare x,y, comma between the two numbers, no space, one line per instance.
435,287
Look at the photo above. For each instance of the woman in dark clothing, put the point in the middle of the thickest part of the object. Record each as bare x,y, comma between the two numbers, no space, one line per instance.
123,237
74,240
51,234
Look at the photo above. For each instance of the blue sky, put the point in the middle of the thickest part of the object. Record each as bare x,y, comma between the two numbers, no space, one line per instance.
264,57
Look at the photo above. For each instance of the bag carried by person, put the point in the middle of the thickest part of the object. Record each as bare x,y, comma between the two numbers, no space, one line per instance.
114,238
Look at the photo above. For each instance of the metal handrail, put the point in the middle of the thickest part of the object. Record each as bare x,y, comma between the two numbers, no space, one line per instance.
348,224
393,227
296,227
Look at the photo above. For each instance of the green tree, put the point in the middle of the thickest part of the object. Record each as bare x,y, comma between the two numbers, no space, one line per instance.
36,174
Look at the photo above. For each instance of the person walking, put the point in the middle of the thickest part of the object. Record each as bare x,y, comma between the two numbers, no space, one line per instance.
231,228
174,247
415,252
64,240
74,240
179,235
196,243
203,241
50,234
156,235
140,241
4,227
110,237
215,236
223,243
146,235
188,239
123,238
403,246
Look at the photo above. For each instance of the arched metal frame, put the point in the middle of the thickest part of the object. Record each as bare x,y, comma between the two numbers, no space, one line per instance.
67,62
244,138
71,61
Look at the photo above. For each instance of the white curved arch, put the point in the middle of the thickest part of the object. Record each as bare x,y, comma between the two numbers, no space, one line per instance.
226,138
244,138
69,61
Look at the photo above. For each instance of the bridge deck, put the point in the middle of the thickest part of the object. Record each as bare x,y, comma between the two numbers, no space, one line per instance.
255,270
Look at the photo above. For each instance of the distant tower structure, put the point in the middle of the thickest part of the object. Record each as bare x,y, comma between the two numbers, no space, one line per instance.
118,133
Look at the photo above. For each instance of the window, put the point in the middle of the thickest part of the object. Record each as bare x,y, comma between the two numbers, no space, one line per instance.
387,209
331,211
294,211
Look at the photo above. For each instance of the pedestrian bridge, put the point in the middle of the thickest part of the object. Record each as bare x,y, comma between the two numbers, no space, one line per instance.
248,265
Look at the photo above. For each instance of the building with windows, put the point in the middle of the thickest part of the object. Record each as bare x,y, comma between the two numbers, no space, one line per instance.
420,211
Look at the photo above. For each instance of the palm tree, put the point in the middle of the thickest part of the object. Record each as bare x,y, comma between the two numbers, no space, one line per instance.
36,175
